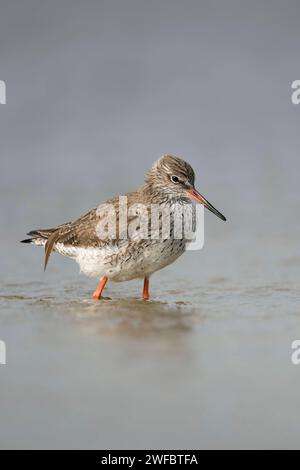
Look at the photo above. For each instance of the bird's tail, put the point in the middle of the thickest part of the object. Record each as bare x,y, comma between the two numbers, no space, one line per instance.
38,237
46,237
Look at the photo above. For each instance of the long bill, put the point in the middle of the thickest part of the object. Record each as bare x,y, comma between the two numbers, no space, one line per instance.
193,194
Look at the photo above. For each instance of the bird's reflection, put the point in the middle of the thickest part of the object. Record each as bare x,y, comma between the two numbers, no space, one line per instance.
133,317
159,325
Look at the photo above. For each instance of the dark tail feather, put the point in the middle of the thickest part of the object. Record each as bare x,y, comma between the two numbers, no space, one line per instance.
41,233
50,234
49,246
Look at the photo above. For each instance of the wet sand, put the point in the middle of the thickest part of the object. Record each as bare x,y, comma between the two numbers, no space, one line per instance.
203,367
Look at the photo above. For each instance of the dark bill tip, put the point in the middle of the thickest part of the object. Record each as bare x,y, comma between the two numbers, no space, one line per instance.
193,194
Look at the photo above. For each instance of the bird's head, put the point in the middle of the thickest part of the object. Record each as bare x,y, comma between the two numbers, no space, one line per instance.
174,179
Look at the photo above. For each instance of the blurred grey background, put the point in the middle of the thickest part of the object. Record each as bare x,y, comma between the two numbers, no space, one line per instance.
98,90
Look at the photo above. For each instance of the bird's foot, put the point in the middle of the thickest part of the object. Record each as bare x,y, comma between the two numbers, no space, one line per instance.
96,296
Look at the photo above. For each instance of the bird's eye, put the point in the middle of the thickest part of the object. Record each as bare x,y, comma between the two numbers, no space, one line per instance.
174,179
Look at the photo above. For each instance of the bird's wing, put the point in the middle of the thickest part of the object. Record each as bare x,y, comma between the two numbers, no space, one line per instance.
81,232
85,230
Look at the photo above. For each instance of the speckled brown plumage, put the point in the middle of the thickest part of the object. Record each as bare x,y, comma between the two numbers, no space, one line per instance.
170,181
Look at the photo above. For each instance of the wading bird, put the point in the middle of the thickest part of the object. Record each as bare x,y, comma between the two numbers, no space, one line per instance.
169,183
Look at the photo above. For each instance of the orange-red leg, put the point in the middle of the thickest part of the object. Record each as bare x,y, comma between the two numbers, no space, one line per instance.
98,292
146,289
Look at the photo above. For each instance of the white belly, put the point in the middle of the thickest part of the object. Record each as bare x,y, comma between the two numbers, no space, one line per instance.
124,263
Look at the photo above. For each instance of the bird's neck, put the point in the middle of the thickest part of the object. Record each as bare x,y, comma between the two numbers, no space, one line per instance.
155,194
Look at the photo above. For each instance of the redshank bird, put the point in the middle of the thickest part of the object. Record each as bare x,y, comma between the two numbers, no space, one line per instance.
121,258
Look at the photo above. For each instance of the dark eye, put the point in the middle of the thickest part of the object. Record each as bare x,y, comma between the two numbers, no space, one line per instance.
174,179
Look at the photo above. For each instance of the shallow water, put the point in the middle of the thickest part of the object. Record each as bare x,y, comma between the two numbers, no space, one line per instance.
199,367
205,364
96,91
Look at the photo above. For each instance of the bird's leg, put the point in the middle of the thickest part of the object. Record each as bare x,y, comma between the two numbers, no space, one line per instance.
98,291
146,289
